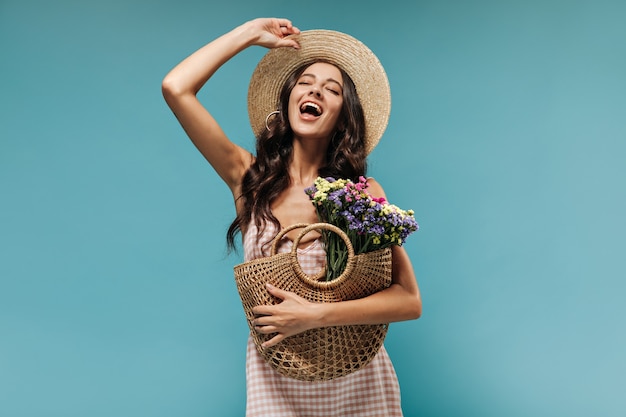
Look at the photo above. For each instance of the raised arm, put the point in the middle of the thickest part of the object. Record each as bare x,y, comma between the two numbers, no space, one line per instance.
182,83
401,301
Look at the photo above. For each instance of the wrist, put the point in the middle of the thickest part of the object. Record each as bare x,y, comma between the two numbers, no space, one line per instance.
320,314
246,33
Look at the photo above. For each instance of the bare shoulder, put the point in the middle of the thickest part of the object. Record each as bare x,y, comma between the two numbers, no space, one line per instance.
375,189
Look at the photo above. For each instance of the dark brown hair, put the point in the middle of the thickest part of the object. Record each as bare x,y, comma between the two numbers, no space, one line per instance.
268,175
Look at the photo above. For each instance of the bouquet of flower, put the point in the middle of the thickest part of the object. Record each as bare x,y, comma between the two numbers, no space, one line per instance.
370,223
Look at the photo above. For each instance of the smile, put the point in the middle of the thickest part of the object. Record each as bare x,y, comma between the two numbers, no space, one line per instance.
311,108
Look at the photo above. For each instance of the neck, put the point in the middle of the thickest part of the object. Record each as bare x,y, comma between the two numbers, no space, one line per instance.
306,161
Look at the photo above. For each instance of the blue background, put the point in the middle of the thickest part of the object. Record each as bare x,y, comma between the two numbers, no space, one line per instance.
507,137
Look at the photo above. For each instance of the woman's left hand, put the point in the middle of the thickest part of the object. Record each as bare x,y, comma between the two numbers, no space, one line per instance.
291,316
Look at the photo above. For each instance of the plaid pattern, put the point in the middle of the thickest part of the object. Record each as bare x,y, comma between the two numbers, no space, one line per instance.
370,392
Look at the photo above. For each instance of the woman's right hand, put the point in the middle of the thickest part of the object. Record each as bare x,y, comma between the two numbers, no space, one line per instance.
271,32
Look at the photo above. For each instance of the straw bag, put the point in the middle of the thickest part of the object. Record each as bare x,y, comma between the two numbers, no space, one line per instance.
322,353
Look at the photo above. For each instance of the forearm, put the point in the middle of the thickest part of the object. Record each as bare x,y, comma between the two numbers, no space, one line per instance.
194,71
401,301
390,305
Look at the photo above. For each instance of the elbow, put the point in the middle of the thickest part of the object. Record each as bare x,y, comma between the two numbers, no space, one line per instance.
171,89
408,305
168,88
416,313
414,308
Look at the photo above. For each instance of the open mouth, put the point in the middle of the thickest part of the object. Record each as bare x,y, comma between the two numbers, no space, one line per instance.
311,108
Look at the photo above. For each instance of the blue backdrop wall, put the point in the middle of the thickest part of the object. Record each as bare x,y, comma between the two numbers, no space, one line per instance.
507,137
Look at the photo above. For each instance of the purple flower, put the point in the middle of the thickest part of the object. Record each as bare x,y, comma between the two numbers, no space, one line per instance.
370,223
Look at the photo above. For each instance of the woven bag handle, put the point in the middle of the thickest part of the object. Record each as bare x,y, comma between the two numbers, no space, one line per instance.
313,281
283,232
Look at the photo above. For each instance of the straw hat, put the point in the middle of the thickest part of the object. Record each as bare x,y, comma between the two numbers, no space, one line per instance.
340,49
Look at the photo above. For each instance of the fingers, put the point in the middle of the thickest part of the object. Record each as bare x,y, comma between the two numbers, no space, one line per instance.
284,295
273,341
264,321
275,32
286,30
262,328
287,27
288,43
262,310
283,319
289,30
277,292
266,329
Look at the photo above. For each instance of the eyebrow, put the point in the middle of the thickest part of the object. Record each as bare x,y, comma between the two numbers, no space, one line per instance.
332,80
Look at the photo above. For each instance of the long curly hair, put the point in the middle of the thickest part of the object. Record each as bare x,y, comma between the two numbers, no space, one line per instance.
268,175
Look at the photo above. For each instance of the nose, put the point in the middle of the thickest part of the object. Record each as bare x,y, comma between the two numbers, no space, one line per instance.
315,91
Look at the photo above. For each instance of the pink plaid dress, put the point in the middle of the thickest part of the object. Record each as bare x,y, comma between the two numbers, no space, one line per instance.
369,392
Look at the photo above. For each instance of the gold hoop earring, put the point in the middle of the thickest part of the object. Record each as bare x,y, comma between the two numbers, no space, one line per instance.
268,118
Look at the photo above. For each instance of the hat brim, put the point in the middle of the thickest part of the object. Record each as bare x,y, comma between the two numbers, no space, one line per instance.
340,49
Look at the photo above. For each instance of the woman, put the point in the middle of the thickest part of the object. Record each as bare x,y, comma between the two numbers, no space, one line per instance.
316,125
